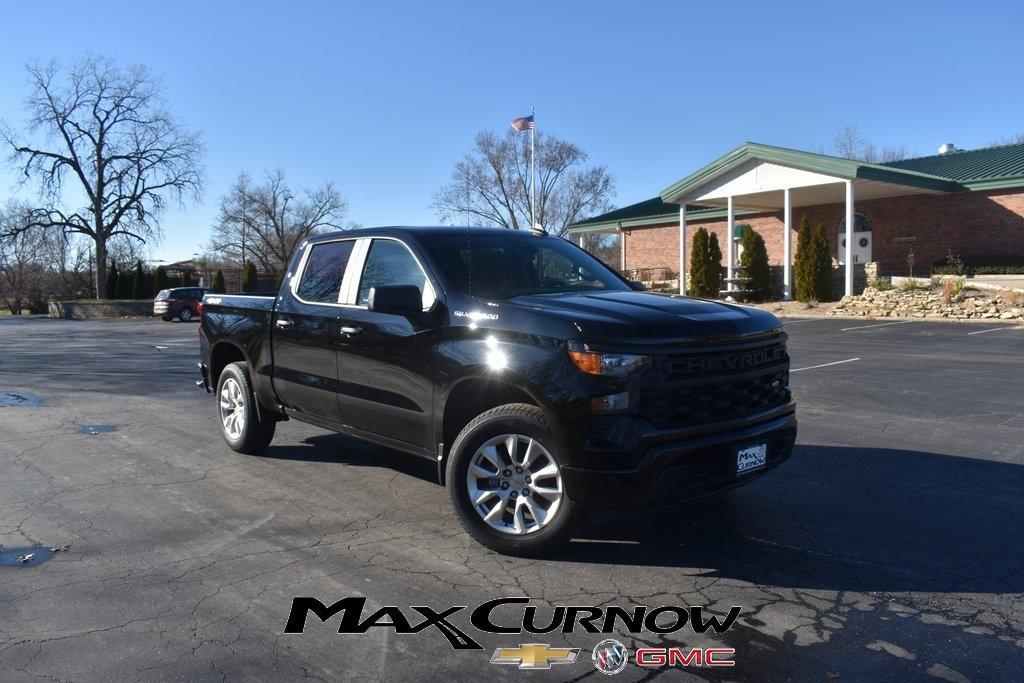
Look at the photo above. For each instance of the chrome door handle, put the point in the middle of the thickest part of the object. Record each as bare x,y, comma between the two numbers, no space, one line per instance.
351,330
283,322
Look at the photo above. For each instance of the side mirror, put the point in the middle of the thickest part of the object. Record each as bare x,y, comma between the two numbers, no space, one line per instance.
396,300
637,286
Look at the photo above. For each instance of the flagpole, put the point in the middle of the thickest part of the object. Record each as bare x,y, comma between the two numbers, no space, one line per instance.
533,174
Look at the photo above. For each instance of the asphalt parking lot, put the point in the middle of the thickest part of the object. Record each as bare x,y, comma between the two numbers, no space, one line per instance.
889,547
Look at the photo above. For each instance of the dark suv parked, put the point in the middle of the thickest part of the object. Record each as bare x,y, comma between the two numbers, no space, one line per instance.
181,303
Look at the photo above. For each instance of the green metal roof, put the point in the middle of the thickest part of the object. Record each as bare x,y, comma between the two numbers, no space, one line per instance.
984,168
644,209
650,212
977,169
808,161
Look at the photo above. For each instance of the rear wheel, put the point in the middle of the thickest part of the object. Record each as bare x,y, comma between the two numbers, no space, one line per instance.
505,483
185,315
240,422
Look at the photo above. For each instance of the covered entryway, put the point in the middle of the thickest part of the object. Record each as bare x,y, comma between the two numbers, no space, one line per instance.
763,178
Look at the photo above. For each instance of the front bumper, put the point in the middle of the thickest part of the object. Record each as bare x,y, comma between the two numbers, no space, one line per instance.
677,471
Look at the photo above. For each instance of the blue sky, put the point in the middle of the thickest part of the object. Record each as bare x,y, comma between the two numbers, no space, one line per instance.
383,97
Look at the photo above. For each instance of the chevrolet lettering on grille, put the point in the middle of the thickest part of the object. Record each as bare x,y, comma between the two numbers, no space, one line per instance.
733,361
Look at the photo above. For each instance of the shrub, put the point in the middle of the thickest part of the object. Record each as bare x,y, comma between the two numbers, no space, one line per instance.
754,262
717,269
700,274
112,280
985,264
882,284
160,278
912,285
218,283
819,266
139,283
802,270
250,279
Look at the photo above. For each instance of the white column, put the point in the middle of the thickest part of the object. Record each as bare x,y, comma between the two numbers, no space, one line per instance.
849,238
682,248
787,245
729,221
581,240
622,251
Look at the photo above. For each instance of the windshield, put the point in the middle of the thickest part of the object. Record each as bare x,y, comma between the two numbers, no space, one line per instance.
163,294
494,266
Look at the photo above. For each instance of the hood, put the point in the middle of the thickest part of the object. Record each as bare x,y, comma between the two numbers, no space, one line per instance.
643,318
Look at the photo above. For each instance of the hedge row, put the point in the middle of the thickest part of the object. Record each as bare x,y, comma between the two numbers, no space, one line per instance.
986,264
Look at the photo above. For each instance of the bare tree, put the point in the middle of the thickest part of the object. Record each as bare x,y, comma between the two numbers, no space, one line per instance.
491,184
850,143
20,251
1016,139
101,132
266,222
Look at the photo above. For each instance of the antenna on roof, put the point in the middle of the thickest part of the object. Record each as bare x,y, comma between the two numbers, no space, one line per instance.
537,229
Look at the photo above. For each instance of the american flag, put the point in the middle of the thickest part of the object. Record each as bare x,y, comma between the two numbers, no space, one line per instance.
522,123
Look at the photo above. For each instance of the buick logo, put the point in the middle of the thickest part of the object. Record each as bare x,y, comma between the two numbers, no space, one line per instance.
610,657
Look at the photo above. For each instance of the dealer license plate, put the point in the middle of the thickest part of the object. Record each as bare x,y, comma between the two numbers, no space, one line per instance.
751,457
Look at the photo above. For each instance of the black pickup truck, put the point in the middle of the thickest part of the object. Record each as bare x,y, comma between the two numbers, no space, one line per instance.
542,383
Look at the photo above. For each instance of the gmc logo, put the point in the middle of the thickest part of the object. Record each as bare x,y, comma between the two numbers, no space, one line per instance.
734,361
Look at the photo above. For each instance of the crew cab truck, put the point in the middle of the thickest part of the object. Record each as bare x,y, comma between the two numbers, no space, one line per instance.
543,384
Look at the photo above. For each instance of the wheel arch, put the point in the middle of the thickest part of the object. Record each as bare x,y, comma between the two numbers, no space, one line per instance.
223,353
472,396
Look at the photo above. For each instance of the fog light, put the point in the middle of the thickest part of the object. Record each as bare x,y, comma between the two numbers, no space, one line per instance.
610,403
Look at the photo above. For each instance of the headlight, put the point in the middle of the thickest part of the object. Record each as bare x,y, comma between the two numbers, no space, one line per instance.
612,364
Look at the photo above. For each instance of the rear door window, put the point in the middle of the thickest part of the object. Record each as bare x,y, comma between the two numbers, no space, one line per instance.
391,263
325,267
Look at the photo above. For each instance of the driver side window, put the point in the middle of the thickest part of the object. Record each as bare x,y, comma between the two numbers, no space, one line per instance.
391,263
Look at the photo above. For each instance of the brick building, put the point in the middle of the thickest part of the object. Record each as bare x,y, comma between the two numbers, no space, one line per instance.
970,203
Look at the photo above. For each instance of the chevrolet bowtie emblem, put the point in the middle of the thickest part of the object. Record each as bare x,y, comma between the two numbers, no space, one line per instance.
535,655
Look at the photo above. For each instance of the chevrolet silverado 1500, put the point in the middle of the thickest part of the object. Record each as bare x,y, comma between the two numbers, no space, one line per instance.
541,383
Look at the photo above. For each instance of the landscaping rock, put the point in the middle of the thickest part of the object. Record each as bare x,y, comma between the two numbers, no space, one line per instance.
928,302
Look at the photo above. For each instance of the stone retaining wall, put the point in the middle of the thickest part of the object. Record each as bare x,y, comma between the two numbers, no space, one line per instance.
89,310
929,303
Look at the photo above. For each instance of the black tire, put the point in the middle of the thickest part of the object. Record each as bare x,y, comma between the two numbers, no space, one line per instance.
185,314
166,318
513,418
254,434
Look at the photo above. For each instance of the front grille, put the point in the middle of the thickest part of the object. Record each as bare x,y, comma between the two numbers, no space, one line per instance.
704,386
688,364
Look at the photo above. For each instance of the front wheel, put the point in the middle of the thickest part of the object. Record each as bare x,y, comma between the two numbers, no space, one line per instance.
240,422
505,482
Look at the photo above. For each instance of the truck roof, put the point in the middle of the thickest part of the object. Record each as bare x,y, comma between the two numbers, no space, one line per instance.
421,230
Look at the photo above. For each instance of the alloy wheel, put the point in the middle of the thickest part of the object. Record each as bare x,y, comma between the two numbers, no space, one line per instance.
232,408
514,484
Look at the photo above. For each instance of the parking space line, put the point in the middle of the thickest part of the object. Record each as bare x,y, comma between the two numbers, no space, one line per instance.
787,321
825,365
864,327
996,329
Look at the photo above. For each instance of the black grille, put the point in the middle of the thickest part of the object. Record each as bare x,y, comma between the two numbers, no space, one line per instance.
683,365
699,403
700,387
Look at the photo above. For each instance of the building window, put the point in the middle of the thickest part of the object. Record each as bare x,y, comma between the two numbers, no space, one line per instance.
860,223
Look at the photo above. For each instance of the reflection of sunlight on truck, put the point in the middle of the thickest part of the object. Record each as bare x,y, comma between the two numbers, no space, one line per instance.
543,385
